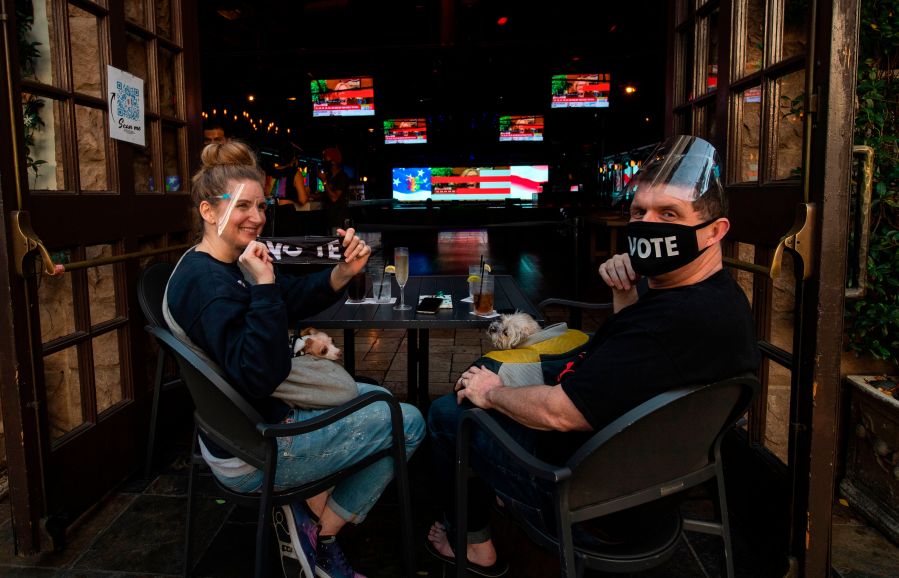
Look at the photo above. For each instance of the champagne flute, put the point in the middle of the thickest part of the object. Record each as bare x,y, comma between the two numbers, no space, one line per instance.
401,262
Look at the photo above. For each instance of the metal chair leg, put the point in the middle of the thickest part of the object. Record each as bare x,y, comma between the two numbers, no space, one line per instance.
157,389
191,489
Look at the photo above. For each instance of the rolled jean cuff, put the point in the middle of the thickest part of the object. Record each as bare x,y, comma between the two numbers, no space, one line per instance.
479,536
345,514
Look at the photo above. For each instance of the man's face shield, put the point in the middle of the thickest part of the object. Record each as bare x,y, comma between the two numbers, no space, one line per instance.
684,167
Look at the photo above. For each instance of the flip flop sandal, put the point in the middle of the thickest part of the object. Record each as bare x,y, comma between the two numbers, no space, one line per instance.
499,568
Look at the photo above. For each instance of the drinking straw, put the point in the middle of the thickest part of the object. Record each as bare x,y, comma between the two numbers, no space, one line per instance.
481,288
380,286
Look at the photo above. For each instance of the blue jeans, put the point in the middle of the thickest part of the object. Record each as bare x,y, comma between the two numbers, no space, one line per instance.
314,455
494,468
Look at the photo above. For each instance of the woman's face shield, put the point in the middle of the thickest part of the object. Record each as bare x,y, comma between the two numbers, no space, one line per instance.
684,167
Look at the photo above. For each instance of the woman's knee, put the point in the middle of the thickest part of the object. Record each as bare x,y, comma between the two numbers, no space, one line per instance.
413,425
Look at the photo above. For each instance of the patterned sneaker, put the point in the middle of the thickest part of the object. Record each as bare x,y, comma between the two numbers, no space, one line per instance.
332,562
297,534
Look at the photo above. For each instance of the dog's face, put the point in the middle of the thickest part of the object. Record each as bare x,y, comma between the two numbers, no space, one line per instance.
317,343
509,331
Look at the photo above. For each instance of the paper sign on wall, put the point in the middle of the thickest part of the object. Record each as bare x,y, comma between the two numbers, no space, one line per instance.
126,106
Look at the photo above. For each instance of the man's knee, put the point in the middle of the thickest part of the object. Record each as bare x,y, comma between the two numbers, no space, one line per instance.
443,417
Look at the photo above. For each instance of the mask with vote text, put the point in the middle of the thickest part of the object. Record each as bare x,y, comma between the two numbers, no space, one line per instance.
659,248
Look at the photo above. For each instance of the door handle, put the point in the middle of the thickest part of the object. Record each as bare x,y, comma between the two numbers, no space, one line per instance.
26,242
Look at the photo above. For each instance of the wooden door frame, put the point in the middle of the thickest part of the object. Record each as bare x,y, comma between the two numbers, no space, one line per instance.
835,58
21,421
30,476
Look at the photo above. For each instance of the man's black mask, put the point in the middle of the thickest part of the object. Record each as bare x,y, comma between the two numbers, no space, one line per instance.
659,248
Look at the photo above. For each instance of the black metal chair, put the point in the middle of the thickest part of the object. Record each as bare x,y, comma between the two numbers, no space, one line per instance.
668,444
150,291
225,417
575,309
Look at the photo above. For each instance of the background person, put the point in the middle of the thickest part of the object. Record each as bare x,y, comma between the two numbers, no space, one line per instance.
693,325
335,201
214,133
225,296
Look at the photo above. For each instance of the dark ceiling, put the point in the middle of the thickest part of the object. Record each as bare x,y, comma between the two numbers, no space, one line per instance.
448,60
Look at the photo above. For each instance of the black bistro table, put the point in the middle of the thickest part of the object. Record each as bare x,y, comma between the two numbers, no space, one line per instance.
507,297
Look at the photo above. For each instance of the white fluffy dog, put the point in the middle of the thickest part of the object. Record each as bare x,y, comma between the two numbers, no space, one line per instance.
311,341
510,330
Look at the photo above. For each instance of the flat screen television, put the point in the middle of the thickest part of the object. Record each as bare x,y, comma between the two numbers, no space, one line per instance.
521,128
580,91
343,97
494,183
405,131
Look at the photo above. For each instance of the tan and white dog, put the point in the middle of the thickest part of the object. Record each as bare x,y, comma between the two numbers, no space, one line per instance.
311,341
510,330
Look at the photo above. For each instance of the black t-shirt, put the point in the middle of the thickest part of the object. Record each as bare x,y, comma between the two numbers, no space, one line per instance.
669,338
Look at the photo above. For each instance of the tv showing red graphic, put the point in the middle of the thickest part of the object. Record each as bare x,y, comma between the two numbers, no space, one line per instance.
343,97
405,131
521,128
495,183
580,91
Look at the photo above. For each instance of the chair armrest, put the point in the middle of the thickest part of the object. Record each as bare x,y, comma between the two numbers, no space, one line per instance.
478,418
571,304
275,430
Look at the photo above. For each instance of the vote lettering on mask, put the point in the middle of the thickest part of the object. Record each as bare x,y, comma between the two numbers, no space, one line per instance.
659,248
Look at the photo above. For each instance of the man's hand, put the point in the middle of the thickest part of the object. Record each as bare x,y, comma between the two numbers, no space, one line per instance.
618,274
476,384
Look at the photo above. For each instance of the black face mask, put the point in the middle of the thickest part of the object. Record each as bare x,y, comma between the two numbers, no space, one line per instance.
659,248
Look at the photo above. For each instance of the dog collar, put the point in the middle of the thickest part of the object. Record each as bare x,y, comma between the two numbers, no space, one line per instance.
303,338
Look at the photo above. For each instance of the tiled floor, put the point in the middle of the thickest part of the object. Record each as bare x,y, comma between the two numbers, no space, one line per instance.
138,530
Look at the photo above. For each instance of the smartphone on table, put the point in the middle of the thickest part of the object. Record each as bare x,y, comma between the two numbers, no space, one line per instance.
429,305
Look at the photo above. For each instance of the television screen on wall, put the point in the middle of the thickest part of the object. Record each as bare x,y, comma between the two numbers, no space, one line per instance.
521,128
580,91
343,97
494,183
405,131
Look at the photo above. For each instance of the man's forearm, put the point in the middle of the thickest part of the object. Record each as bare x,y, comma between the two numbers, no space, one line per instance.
542,407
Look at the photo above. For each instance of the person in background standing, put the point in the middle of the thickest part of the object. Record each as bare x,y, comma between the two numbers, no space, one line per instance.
214,133
337,184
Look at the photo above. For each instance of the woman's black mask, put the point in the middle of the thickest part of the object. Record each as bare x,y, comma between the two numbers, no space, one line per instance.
659,248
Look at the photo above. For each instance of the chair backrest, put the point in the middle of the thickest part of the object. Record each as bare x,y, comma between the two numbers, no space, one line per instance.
221,413
150,290
666,444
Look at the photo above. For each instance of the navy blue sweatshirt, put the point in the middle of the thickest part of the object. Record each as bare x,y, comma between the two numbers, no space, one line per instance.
243,327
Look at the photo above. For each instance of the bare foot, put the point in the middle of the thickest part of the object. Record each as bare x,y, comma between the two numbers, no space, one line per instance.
483,554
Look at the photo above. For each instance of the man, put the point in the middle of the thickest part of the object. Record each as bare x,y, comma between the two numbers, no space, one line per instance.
214,134
693,325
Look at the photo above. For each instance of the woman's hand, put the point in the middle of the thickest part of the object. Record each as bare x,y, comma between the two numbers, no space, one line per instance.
355,255
256,261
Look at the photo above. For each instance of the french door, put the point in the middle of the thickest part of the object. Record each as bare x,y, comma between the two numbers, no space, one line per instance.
75,371
772,84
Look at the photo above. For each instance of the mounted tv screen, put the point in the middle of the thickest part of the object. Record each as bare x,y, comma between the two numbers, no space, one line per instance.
521,128
405,131
580,91
343,97
496,183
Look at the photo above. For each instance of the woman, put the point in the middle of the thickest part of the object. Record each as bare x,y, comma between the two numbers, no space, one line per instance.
225,296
